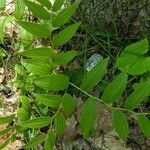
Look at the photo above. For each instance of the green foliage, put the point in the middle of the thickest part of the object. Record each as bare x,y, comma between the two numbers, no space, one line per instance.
68,105
7,119
19,9
120,124
57,5
38,10
46,97
35,141
36,29
119,84
136,97
65,15
52,82
88,117
94,76
50,141
59,124
132,59
49,100
65,35
144,124
37,122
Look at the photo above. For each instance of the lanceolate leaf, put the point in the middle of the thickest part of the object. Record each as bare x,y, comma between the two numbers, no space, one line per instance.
49,100
64,58
140,47
25,103
52,82
57,5
38,10
25,37
65,35
19,9
68,105
115,89
38,53
7,119
38,67
94,76
144,124
35,141
38,122
88,117
23,115
60,124
50,141
65,15
36,29
9,140
45,3
5,131
138,95
120,124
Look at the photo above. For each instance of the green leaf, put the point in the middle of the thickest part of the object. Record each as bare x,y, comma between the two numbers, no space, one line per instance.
65,15
38,122
2,53
136,97
120,124
35,29
25,37
19,9
57,5
115,89
45,3
4,20
38,10
7,119
8,141
52,82
132,59
64,58
35,141
95,75
88,117
68,105
65,35
5,131
38,53
140,47
50,141
60,124
2,4
38,67
144,124
25,103
49,100
23,115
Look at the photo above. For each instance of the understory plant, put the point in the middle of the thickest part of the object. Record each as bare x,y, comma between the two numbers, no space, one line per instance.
45,100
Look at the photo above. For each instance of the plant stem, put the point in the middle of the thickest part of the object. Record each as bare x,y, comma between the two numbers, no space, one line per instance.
107,105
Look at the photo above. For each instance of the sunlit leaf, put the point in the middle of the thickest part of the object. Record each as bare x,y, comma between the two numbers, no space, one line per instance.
52,82
49,100
38,10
